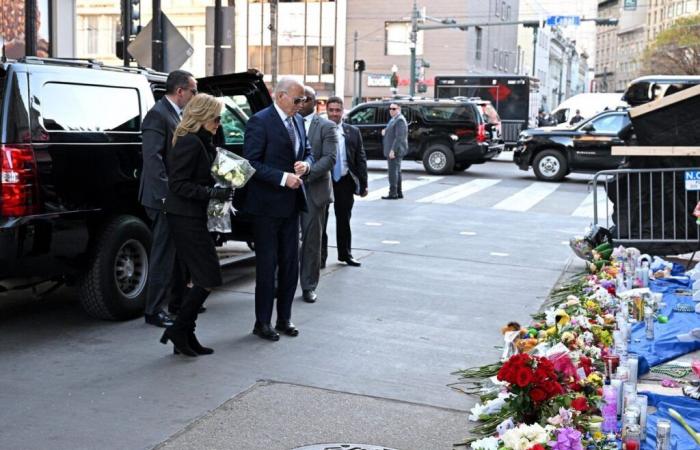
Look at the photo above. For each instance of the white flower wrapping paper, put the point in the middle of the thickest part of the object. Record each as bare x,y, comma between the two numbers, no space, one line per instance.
232,171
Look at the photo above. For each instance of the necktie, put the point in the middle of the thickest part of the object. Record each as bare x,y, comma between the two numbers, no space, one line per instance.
292,134
338,167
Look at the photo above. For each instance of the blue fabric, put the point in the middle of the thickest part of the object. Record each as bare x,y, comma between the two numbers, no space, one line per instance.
665,346
686,407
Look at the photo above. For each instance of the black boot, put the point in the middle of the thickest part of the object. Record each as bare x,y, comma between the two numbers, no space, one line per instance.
184,324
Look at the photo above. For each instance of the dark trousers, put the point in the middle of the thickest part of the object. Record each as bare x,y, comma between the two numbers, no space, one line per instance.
312,223
276,252
394,166
166,281
344,193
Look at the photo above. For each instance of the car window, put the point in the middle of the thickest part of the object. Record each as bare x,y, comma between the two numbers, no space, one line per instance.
234,117
72,108
611,123
365,116
451,113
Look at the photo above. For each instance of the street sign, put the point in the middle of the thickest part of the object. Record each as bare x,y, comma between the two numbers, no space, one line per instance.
563,21
177,50
630,5
378,80
692,180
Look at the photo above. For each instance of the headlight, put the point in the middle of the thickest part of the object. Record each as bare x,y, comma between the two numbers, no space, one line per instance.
524,137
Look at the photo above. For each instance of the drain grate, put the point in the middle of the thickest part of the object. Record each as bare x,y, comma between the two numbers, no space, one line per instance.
343,447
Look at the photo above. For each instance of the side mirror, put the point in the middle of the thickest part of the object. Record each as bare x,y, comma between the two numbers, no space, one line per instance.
588,128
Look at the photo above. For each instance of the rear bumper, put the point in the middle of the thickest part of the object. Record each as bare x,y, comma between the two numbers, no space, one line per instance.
474,152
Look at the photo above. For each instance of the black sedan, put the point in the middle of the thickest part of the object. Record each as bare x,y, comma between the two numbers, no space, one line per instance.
554,152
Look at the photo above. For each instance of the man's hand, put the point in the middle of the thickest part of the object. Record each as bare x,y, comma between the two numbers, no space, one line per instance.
383,131
293,181
364,194
392,155
301,168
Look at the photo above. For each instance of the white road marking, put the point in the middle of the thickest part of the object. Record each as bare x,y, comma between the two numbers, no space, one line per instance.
467,233
373,224
391,242
459,192
499,254
528,197
407,185
585,209
375,176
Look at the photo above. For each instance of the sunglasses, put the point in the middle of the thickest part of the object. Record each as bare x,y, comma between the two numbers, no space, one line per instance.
393,109
299,100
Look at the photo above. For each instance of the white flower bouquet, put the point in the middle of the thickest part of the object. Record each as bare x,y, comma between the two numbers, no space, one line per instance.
229,171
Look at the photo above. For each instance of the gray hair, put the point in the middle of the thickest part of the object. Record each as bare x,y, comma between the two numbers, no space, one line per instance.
285,83
309,92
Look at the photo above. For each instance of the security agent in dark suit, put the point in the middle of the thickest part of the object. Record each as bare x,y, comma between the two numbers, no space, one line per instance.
324,147
349,177
165,277
275,144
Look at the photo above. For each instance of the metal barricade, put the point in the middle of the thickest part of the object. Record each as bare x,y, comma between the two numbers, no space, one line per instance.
647,208
510,130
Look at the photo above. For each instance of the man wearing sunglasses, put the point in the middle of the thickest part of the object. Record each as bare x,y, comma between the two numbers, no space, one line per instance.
395,143
275,144
166,282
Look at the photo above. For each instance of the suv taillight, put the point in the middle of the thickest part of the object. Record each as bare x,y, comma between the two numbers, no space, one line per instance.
481,133
19,190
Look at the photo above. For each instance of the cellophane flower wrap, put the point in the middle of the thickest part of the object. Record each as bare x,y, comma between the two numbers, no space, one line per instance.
229,171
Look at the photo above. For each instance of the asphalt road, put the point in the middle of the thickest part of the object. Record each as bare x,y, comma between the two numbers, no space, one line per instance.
442,271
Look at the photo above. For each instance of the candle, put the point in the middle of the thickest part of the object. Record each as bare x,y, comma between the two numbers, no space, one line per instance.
643,404
633,367
631,444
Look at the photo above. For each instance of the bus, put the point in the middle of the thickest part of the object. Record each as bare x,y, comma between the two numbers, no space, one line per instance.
514,97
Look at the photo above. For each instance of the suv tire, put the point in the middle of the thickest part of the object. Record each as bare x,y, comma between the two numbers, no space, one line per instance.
461,167
438,160
114,285
550,165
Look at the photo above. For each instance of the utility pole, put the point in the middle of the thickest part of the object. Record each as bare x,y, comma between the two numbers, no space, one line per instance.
355,98
218,29
413,43
126,29
157,44
273,40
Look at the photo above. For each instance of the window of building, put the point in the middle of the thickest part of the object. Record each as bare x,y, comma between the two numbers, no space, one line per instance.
479,43
260,60
398,39
71,107
495,58
291,60
508,13
503,11
496,13
327,63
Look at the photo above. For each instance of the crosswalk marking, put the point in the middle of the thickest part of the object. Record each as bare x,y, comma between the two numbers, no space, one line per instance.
459,192
585,209
407,185
528,197
375,176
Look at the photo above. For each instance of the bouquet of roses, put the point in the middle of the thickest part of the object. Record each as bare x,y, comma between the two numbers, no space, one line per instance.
228,170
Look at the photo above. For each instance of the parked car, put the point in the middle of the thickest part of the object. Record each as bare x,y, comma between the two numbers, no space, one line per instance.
553,153
71,161
446,135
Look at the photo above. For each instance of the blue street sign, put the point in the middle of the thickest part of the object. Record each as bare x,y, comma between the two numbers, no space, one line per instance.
563,21
692,180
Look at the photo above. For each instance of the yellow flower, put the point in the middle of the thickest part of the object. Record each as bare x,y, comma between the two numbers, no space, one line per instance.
551,331
595,378
597,435
561,317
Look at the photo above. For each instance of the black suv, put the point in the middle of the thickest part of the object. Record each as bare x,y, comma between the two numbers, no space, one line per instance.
446,135
554,152
71,159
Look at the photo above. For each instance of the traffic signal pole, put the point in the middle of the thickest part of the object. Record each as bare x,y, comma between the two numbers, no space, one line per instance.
126,32
412,45
157,47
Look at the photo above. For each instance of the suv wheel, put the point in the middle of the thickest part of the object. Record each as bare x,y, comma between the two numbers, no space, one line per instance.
550,165
438,160
461,167
114,285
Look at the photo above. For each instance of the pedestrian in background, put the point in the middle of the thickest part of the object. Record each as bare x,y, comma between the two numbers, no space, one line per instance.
275,144
191,187
395,143
349,179
577,118
166,282
323,139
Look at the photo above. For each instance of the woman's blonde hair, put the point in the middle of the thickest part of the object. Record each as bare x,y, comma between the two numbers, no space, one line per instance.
201,109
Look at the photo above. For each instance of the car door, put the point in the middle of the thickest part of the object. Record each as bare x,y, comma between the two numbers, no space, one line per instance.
595,137
366,119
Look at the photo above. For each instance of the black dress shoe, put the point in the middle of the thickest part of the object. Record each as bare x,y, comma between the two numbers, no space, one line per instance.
323,264
162,319
351,262
266,332
309,296
390,197
399,195
287,328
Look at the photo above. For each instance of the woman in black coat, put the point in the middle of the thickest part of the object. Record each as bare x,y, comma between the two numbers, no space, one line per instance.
191,187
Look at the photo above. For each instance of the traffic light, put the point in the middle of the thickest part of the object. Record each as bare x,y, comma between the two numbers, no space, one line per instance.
134,16
359,65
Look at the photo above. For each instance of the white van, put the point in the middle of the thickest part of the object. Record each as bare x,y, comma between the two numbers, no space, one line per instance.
589,104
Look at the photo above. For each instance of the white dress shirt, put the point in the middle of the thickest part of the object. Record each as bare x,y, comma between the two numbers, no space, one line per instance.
177,109
342,156
284,116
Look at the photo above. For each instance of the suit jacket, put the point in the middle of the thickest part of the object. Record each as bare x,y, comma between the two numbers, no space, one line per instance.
396,137
355,156
157,128
266,145
189,175
324,148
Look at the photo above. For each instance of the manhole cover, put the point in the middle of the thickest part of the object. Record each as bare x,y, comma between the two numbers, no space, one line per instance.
343,447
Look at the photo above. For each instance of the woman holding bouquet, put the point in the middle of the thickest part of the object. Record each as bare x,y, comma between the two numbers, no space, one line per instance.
191,187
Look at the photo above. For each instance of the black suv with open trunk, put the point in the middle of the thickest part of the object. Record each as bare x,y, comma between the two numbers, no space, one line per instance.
70,151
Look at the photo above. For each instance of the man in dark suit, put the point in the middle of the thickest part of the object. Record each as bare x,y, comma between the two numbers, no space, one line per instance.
395,143
349,178
165,278
324,147
275,144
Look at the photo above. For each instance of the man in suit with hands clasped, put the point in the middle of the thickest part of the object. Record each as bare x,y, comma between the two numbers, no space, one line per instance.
275,144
